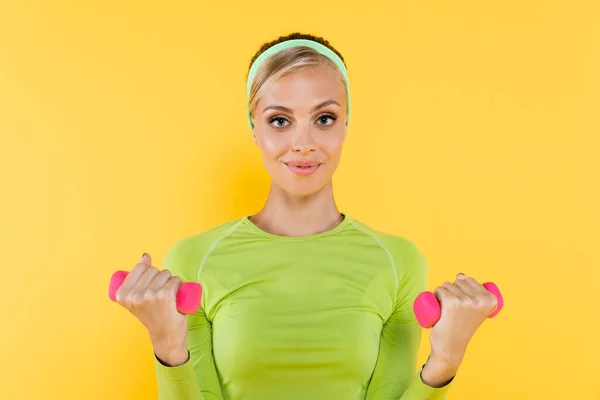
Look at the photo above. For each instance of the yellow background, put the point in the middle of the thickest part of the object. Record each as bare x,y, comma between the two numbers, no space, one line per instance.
475,134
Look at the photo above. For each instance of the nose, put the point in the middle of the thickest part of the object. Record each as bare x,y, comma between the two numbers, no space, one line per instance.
303,141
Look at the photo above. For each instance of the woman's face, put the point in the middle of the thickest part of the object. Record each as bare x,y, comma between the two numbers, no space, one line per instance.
300,128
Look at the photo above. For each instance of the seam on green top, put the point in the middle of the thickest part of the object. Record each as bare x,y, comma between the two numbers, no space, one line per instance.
386,251
214,245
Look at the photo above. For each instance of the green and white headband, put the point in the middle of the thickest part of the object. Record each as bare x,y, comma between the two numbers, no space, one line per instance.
324,50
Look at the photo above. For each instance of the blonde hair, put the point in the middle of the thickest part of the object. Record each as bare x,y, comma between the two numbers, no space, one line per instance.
283,63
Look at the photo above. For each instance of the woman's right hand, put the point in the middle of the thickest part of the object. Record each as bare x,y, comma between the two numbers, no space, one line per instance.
151,295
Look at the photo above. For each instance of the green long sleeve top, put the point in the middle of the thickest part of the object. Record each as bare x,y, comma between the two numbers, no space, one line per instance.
326,316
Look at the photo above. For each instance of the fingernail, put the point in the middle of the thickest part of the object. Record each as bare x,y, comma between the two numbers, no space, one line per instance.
460,274
142,259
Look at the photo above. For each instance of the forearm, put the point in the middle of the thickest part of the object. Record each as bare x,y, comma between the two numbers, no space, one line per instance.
175,374
394,376
177,383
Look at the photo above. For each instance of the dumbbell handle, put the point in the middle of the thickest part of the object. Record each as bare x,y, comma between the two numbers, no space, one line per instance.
188,298
428,310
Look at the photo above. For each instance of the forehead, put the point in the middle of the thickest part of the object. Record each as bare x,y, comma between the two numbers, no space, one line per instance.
308,85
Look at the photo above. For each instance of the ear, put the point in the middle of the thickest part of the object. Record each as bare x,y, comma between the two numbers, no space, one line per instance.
253,133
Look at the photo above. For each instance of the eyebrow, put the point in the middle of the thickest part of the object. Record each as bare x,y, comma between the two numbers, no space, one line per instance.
290,111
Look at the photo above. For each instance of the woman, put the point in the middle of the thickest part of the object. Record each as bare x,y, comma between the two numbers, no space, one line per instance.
300,300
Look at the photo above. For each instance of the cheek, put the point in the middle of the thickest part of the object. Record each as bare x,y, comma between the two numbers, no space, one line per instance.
272,146
332,146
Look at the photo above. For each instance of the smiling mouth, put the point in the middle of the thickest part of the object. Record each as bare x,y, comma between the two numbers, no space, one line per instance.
303,170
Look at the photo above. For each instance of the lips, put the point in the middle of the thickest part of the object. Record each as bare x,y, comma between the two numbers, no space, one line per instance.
303,168
302,164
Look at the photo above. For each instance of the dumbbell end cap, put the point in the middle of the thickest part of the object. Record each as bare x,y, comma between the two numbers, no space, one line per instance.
189,297
115,283
427,309
492,288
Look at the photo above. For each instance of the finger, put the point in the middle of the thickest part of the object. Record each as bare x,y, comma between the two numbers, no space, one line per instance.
146,279
172,285
442,293
477,292
454,290
466,288
448,300
146,259
133,277
472,282
160,280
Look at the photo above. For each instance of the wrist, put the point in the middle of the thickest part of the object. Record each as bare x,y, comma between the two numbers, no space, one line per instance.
170,353
171,357
446,360
439,371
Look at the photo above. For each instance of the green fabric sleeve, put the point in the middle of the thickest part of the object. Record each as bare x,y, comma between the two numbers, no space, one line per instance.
196,379
394,377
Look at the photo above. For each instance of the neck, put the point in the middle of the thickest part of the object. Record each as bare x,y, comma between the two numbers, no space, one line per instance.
289,215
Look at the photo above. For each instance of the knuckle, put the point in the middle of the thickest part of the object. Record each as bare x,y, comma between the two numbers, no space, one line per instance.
476,303
150,296
464,303
162,297
137,300
165,272
453,302
121,296
176,279
491,300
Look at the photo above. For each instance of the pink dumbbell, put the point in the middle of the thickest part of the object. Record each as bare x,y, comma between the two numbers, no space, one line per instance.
428,310
188,299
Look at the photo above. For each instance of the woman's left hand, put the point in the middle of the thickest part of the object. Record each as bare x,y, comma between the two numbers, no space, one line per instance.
465,305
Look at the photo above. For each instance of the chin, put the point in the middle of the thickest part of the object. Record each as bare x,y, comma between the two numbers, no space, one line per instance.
303,190
302,193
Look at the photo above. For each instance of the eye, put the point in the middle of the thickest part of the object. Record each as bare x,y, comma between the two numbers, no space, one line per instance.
279,121
323,119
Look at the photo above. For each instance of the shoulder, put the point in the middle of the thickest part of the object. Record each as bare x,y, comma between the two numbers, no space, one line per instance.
187,253
203,240
408,263
406,256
